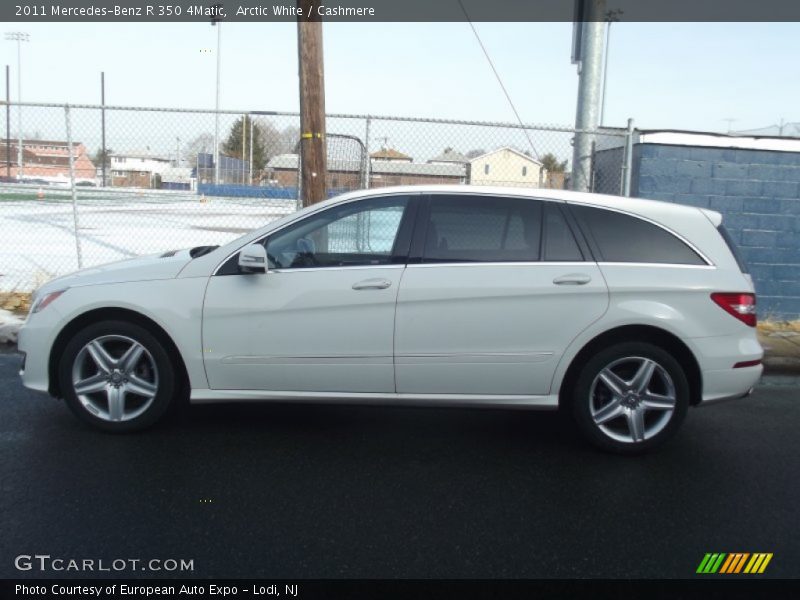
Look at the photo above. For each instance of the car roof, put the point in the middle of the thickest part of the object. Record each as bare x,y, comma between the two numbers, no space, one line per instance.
640,206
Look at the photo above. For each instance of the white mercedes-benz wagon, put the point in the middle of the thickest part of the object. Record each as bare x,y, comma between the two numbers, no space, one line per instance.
622,311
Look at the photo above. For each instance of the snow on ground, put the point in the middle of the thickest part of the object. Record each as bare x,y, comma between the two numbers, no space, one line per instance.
9,327
38,240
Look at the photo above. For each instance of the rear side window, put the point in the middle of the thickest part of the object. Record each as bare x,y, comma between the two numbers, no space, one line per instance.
483,229
623,238
733,248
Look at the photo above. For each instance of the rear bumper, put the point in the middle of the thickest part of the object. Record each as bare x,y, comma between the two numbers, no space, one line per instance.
717,355
729,384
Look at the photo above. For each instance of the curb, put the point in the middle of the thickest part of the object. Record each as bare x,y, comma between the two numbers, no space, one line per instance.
779,380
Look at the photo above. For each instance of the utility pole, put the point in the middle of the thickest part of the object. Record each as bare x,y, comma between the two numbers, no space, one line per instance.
313,160
587,118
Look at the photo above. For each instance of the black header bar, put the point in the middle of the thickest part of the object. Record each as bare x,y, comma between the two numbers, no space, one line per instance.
370,11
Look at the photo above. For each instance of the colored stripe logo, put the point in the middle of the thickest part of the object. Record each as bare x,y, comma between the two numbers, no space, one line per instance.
734,563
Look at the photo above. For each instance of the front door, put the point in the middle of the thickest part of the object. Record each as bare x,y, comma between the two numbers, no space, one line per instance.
322,318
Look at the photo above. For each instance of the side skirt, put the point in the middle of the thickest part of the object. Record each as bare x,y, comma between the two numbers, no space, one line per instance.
205,396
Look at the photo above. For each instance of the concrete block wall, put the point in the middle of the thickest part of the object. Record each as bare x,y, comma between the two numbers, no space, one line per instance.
758,193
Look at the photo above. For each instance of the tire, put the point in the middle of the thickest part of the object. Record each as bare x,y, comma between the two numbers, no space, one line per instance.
630,398
111,390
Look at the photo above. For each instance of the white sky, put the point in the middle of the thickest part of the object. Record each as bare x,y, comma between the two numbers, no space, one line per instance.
685,76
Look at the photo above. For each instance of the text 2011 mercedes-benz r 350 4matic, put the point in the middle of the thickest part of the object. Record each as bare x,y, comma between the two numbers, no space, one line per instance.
623,311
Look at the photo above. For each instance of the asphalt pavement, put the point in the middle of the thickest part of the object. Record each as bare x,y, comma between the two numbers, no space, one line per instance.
293,492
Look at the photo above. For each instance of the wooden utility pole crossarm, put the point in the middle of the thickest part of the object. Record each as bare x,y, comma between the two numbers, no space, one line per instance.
313,161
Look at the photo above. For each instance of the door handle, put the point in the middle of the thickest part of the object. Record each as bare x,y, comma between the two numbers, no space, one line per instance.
372,284
572,279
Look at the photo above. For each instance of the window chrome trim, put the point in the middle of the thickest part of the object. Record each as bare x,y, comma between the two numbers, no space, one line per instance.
521,263
335,268
648,264
558,264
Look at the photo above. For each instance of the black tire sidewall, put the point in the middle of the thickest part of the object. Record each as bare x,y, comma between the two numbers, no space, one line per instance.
580,401
166,375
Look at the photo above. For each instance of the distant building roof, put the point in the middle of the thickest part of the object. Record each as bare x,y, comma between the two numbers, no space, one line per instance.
390,154
378,167
449,156
717,140
506,149
45,143
785,130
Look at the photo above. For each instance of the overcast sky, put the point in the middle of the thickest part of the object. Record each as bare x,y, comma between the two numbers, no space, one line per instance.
686,76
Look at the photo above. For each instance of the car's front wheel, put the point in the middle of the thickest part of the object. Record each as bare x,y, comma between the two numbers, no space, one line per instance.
630,397
117,376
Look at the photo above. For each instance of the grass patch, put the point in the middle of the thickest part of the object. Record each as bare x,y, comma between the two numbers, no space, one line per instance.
16,302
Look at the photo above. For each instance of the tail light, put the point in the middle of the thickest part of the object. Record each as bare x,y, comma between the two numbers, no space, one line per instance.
740,305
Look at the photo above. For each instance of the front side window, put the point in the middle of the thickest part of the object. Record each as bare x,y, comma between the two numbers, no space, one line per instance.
625,238
482,229
355,234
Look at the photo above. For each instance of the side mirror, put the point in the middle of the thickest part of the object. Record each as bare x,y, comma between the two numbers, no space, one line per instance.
253,259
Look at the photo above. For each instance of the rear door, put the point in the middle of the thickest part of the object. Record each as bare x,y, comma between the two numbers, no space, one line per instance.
495,290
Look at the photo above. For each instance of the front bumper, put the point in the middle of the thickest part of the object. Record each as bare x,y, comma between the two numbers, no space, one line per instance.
34,340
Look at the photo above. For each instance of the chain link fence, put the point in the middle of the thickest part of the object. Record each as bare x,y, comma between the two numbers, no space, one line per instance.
83,185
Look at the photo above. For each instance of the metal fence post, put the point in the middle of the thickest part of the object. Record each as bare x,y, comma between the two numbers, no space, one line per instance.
627,165
71,152
250,118
366,149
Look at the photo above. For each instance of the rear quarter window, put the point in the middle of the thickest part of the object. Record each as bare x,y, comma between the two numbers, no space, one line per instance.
733,248
620,237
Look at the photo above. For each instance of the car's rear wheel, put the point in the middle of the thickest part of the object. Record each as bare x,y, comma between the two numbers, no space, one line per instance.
117,376
630,397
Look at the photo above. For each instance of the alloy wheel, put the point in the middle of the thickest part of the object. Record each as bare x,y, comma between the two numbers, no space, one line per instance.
115,378
632,399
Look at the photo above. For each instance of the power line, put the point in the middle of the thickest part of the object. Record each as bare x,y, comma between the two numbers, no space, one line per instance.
499,80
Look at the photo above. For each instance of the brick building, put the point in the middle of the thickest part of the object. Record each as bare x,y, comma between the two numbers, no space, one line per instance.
349,174
47,159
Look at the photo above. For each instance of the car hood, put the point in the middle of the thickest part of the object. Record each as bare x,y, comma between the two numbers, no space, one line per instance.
166,265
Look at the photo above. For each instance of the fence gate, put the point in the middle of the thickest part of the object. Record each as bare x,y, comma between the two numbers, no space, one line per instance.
347,161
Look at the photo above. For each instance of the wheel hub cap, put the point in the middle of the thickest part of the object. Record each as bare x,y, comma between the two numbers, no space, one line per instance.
116,378
631,400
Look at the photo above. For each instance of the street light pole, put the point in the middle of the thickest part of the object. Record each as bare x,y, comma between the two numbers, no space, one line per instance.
588,105
19,37
611,17
217,21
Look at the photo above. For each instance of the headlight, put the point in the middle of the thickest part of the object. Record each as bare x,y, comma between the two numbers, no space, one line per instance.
44,300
